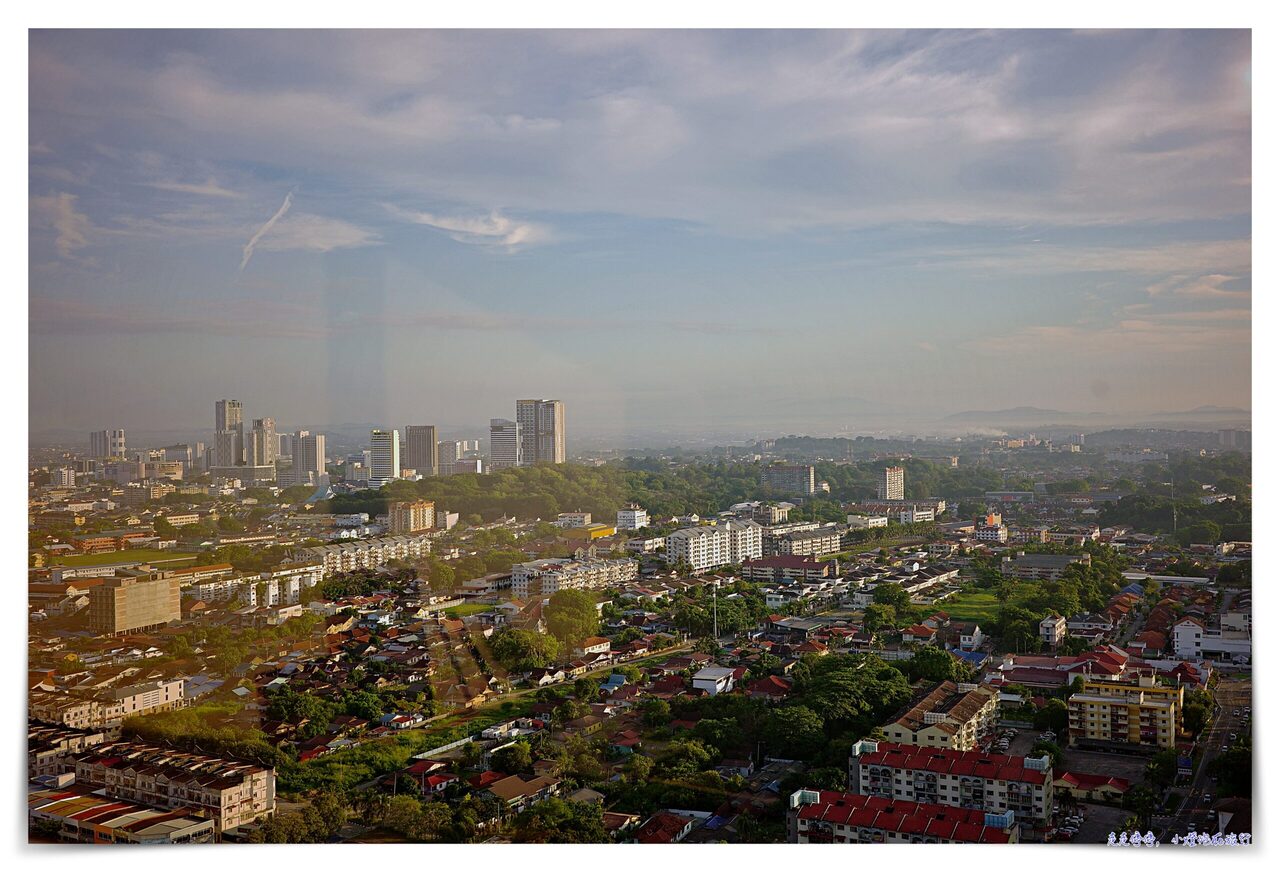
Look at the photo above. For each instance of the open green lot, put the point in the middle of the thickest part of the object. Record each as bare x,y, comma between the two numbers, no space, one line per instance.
467,609
142,555
972,605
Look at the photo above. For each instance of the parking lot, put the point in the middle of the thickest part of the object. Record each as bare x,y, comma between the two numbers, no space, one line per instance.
1019,743
1131,767
1099,822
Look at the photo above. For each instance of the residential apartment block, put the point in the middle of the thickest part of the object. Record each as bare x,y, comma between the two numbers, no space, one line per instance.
229,792
1124,714
632,518
132,603
545,577
948,715
788,478
367,553
1040,567
994,783
891,484
833,817
411,517
705,548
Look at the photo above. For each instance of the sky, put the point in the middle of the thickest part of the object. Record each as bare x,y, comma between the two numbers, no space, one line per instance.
804,231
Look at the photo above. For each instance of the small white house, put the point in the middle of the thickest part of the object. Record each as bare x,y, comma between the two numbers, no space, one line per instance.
713,680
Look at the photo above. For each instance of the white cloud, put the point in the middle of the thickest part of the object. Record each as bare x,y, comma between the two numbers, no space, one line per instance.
209,188
253,240
492,229
306,232
71,226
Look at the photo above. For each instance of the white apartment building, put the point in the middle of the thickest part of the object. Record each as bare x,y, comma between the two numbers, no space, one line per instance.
746,540
632,518
892,484
545,577
700,548
704,548
867,522
916,515
992,533
572,519
368,553
1053,629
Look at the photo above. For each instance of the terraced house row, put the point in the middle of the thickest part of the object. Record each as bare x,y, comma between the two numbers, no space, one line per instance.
229,792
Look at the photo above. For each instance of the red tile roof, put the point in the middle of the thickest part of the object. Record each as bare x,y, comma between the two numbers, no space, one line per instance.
999,767
909,818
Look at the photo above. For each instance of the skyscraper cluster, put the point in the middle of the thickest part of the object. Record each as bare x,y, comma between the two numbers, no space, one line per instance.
535,436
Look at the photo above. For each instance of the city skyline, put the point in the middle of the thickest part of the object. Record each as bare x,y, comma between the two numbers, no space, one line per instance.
299,220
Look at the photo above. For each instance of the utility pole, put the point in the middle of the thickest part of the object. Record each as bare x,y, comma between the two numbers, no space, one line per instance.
715,616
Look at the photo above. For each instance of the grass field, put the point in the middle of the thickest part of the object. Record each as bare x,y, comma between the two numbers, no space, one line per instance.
467,609
147,555
973,605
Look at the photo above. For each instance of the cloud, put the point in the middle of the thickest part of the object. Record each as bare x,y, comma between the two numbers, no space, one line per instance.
744,132
209,188
253,241
492,229
1198,287
71,226
307,232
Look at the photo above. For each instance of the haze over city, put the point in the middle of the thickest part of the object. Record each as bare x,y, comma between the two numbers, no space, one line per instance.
793,231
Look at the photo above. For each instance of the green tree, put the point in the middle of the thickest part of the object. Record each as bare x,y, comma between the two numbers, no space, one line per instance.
933,664
892,594
571,616
655,712
795,732
524,650
1052,716
557,821
512,759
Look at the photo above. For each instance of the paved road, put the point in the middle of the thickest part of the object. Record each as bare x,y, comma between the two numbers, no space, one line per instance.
1193,812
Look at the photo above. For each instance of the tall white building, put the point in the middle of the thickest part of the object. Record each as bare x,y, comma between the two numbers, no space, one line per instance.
892,484
504,444
264,444
699,548
384,457
746,540
308,459
706,548
541,431
106,443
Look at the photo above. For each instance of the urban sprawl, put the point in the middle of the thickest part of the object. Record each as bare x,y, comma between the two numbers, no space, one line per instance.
274,636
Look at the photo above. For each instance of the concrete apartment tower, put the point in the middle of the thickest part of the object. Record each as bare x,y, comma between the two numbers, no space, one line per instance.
892,484
541,431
